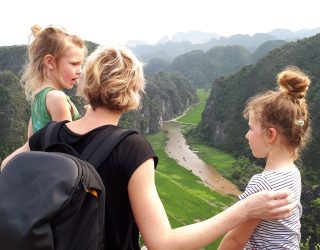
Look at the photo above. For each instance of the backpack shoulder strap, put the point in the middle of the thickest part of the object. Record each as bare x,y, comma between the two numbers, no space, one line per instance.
97,150
103,143
51,133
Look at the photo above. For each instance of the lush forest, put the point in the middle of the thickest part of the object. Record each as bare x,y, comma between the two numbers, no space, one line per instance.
203,67
12,113
167,95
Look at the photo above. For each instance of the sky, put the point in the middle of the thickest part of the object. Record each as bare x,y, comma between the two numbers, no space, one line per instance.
118,21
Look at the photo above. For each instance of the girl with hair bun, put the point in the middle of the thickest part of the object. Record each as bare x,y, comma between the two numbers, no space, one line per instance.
279,128
55,61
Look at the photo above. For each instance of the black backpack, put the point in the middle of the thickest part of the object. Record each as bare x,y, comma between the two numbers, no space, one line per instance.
56,199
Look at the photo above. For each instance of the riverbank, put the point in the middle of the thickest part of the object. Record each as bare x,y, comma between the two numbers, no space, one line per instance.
185,198
177,148
212,163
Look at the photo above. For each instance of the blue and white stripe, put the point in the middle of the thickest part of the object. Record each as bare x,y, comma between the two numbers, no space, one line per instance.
276,234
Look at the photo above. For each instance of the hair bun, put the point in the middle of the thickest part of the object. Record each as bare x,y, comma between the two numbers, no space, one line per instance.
36,30
294,82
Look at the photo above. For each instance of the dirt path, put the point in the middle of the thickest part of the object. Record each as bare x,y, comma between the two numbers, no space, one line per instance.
177,149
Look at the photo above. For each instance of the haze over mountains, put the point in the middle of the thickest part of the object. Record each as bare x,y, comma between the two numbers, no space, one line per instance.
183,42
198,37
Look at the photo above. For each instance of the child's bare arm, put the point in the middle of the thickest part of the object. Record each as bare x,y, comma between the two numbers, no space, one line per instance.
58,106
23,148
30,130
237,238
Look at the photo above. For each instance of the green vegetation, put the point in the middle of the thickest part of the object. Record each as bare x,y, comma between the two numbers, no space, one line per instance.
193,116
14,114
13,58
203,67
223,162
167,95
185,198
197,63
306,245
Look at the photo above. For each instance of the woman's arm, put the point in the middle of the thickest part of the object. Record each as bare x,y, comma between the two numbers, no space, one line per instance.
155,228
237,238
58,106
23,148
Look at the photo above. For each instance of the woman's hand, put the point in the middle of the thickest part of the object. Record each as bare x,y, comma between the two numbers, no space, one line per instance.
269,205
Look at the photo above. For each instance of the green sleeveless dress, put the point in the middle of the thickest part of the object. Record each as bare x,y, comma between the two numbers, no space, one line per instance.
39,113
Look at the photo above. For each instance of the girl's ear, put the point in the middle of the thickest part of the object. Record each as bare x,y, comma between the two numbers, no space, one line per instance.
272,134
49,61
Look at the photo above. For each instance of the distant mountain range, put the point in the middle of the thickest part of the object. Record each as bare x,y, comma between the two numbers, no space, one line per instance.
181,43
203,67
194,36
199,37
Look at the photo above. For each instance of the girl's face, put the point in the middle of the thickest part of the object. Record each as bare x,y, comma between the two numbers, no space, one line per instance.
70,67
256,138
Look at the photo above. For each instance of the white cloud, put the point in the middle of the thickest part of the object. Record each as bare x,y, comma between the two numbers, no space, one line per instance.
118,21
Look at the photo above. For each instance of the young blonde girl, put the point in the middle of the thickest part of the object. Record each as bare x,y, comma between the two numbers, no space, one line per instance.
279,127
112,84
55,60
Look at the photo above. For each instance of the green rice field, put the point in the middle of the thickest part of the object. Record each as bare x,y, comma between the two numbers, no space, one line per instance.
193,116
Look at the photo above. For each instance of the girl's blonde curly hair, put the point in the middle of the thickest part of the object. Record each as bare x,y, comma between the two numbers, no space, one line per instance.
52,40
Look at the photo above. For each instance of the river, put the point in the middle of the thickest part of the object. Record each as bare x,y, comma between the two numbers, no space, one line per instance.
178,149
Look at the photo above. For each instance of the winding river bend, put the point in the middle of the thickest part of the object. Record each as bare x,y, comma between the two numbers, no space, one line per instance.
177,149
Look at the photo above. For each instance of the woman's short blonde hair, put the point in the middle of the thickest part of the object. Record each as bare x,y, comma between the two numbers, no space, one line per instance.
113,78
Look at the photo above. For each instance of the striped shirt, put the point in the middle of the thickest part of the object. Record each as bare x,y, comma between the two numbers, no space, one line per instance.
276,234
